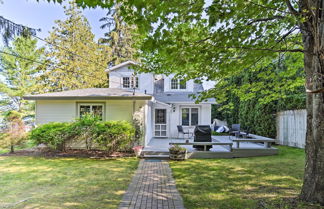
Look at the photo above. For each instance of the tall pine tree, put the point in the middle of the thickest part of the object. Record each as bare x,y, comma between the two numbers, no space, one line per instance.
76,60
20,64
120,37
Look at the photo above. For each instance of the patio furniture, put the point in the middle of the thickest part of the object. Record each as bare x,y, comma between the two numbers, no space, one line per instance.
202,133
235,130
181,131
205,144
267,142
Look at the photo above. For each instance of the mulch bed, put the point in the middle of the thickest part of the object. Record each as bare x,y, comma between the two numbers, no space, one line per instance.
69,153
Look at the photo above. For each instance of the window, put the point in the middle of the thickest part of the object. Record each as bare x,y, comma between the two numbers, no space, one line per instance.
178,84
189,116
160,116
95,109
130,82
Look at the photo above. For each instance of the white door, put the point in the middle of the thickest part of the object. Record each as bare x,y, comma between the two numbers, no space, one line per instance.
160,123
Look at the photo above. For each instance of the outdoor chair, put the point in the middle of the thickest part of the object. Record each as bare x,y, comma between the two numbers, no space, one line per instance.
235,130
181,131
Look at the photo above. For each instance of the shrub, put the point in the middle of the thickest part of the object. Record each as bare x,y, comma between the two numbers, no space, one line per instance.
84,129
114,135
53,135
109,136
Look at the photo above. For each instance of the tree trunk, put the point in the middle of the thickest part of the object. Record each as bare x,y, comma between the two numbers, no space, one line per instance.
12,149
313,187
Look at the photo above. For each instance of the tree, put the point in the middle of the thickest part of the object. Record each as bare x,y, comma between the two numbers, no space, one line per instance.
221,38
14,132
120,37
75,59
10,29
20,64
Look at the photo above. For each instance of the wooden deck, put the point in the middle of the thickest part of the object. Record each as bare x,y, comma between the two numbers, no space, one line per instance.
222,147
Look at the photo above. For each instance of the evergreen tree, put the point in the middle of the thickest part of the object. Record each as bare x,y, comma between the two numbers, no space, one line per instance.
20,64
120,37
76,60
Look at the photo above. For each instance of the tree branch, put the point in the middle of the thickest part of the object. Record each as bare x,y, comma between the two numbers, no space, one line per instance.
262,49
291,8
315,91
266,19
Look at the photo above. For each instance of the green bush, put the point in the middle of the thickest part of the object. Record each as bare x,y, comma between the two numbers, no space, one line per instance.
110,136
53,135
114,135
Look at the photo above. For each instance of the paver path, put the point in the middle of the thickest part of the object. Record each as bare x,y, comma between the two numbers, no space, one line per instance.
152,187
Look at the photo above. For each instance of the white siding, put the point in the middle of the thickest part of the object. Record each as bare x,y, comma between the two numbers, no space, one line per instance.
66,110
145,80
167,85
55,111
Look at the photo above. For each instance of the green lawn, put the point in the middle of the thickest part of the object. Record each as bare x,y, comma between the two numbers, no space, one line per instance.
27,182
258,182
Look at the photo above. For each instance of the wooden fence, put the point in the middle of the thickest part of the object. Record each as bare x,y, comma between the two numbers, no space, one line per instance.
291,128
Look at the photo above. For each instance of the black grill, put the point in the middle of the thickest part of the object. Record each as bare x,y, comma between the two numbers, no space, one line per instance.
202,134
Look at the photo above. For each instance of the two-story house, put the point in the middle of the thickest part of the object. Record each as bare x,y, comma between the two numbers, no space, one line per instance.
163,101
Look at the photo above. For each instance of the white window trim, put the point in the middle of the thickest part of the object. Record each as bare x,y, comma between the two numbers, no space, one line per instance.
166,122
92,104
178,88
199,115
130,82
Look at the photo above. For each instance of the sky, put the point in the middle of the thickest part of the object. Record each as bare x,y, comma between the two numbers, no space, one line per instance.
41,15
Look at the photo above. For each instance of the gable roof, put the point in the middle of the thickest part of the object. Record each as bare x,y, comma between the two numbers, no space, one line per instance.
90,94
180,97
129,62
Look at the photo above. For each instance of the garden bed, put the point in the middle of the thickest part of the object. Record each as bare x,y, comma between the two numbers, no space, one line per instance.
69,153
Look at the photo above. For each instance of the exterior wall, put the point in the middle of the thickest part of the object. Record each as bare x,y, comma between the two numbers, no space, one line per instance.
55,111
148,122
291,128
66,110
145,80
174,116
167,85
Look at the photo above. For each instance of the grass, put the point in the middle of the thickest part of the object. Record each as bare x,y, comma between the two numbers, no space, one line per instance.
259,182
27,182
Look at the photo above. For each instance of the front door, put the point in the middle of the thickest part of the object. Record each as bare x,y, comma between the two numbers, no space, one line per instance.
160,123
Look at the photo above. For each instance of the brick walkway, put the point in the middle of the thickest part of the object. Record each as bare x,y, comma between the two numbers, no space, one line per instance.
152,187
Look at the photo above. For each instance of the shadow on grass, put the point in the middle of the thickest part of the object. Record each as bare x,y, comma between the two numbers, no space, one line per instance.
258,182
30,182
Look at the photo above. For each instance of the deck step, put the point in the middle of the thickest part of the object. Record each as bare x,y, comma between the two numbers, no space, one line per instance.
156,156
151,152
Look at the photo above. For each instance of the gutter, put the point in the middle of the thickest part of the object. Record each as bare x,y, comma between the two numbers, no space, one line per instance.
87,97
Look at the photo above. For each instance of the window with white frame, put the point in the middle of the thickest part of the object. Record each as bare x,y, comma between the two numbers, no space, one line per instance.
178,84
91,108
130,82
189,116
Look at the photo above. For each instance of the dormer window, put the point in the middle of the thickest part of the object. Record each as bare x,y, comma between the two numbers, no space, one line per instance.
130,82
178,84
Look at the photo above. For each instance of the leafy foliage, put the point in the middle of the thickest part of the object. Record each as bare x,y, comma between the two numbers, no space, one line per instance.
247,98
53,135
14,133
19,74
109,135
75,59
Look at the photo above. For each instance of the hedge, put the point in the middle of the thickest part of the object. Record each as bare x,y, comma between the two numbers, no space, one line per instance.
106,135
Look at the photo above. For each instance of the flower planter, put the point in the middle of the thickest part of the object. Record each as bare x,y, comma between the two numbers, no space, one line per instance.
178,155
138,150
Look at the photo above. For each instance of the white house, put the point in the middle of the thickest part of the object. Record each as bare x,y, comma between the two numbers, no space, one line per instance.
164,101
